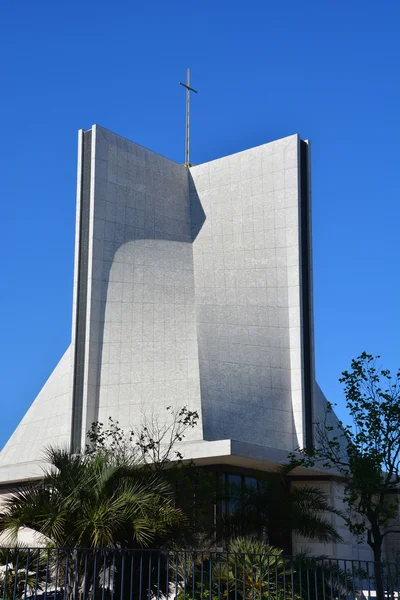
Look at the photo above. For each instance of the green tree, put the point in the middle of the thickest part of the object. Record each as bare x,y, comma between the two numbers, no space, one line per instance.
89,502
21,570
248,570
365,455
155,445
274,509
93,502
252,569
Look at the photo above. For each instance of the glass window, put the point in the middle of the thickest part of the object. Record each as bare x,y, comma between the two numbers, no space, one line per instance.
250,484
234,492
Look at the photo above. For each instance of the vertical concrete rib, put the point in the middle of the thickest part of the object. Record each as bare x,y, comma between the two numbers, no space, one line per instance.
81,301
306,294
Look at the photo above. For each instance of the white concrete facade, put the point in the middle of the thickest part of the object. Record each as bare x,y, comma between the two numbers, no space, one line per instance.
47,422
247,263
188,290
191,287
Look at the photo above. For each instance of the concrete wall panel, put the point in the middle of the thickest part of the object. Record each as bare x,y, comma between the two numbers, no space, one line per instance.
143,339
247,278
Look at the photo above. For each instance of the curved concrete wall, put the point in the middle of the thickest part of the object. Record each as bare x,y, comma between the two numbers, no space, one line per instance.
248,293
142,342
189,289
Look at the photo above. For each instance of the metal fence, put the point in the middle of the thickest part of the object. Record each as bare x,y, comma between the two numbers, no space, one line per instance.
112,574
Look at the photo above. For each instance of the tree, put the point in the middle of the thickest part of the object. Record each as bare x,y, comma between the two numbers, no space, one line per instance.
93,502
252,569
241,573
272,507
155,446
152,444
21,571
89,502
273,510
365,455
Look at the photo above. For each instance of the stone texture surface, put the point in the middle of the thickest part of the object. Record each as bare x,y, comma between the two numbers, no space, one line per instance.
193,295
142,351
193,298
47,422
247,279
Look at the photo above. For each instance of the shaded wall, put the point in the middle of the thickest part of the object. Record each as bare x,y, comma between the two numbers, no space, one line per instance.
248,295
142,338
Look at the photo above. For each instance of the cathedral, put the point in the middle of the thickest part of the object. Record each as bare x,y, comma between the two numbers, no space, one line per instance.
192,287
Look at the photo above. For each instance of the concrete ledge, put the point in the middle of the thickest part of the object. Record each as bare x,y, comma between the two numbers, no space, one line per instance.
202,452
21,472
242,454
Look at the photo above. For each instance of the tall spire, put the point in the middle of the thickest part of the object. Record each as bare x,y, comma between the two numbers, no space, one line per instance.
187,139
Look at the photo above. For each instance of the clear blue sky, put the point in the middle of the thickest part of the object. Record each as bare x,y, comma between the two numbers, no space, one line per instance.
264,70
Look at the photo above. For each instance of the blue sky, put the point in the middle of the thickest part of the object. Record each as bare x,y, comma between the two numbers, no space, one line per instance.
264,70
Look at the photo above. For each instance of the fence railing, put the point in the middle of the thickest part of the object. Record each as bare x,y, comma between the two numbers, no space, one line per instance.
113,574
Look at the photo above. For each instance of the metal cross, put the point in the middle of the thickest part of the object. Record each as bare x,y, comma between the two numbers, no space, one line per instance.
187,142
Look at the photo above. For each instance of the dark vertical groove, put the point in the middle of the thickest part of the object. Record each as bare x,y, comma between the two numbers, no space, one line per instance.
81,301
305,292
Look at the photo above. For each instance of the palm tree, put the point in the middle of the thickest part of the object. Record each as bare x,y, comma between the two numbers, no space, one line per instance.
21,570
274,510
249,569
92,502
255,569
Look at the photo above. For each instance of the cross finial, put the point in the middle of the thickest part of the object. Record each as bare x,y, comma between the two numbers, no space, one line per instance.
187,141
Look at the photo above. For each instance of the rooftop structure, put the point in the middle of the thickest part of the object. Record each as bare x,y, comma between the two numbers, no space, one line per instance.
192,286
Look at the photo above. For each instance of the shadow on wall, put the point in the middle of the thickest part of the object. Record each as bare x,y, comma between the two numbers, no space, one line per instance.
175,224
244,349
197,214
240,397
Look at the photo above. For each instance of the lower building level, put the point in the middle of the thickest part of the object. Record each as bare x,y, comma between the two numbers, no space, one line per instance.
192,287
